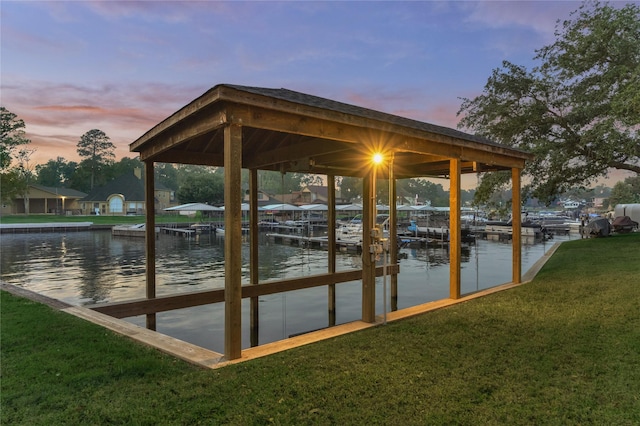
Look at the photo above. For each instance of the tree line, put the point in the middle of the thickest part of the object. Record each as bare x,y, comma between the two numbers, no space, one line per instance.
191,183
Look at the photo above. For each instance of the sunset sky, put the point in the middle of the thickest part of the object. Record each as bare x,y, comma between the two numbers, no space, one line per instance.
71,66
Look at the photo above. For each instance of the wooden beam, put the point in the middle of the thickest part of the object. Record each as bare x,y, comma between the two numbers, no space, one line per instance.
331,241
131,308
438,168
393,235
368,264
516,225
150,238
408,159
210,98
305,149
455,233
192,127
233,241
254,265
487,154
190,157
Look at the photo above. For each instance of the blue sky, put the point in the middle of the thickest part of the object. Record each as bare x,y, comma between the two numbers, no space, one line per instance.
71,66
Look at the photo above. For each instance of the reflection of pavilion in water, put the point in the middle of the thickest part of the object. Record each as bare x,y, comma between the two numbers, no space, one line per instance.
436,256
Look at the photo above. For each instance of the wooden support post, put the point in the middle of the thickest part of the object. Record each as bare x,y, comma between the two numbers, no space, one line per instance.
233,241
150,238
331,241
455,233
254,269
393,234
368,265
516,226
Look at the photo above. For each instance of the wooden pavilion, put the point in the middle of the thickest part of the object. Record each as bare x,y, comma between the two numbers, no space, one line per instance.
255,128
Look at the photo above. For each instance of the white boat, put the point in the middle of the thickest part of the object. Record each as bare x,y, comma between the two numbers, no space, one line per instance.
137,230
437,228
352,231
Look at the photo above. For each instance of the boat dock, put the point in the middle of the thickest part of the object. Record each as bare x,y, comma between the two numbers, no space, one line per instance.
315,242
182,232
19,228
349,245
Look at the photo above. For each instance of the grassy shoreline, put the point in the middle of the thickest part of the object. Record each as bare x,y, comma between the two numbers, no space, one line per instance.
564,349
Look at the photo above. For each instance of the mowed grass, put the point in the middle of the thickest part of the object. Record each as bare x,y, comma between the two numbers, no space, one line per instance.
561,350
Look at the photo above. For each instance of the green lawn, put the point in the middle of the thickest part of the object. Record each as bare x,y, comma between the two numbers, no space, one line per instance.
562,350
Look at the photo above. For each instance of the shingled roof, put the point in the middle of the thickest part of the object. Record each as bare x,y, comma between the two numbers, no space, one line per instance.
328,104
128,185
285,130
60,191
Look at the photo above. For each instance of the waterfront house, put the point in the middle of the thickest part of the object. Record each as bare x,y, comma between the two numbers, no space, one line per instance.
124,196
47,200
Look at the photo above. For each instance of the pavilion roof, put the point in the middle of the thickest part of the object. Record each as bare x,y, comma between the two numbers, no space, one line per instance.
290,131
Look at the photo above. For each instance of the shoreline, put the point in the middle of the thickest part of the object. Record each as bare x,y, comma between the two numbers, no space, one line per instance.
207,358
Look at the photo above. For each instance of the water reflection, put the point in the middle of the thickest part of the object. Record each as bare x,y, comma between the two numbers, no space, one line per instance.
94,267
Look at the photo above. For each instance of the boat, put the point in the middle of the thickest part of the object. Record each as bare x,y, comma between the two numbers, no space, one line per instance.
624,224
352,230
437,229
505,229
598,228
137,230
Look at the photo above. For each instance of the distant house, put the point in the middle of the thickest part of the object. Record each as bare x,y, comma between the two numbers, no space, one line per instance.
311,194
314,194
47,200
124,195
263,198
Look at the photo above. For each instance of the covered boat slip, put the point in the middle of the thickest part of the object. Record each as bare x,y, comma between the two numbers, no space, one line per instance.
253,128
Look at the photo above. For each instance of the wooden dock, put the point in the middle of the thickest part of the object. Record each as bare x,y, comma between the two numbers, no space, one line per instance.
349,245
315,242
182,232
17,228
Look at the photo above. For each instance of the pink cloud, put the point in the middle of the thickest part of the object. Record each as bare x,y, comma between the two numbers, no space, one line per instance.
57,115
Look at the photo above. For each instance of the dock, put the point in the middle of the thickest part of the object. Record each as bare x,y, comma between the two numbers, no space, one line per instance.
315,242
138,231
182,232
349,245
19,228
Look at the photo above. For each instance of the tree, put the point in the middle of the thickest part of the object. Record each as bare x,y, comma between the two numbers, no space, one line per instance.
350,188
578,111
426,190
11,136
202,188
626,192
54,173
14,180
25,174
279,183
97,151
125,165
166,174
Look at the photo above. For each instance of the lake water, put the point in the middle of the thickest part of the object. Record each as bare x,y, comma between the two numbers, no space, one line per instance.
89,267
